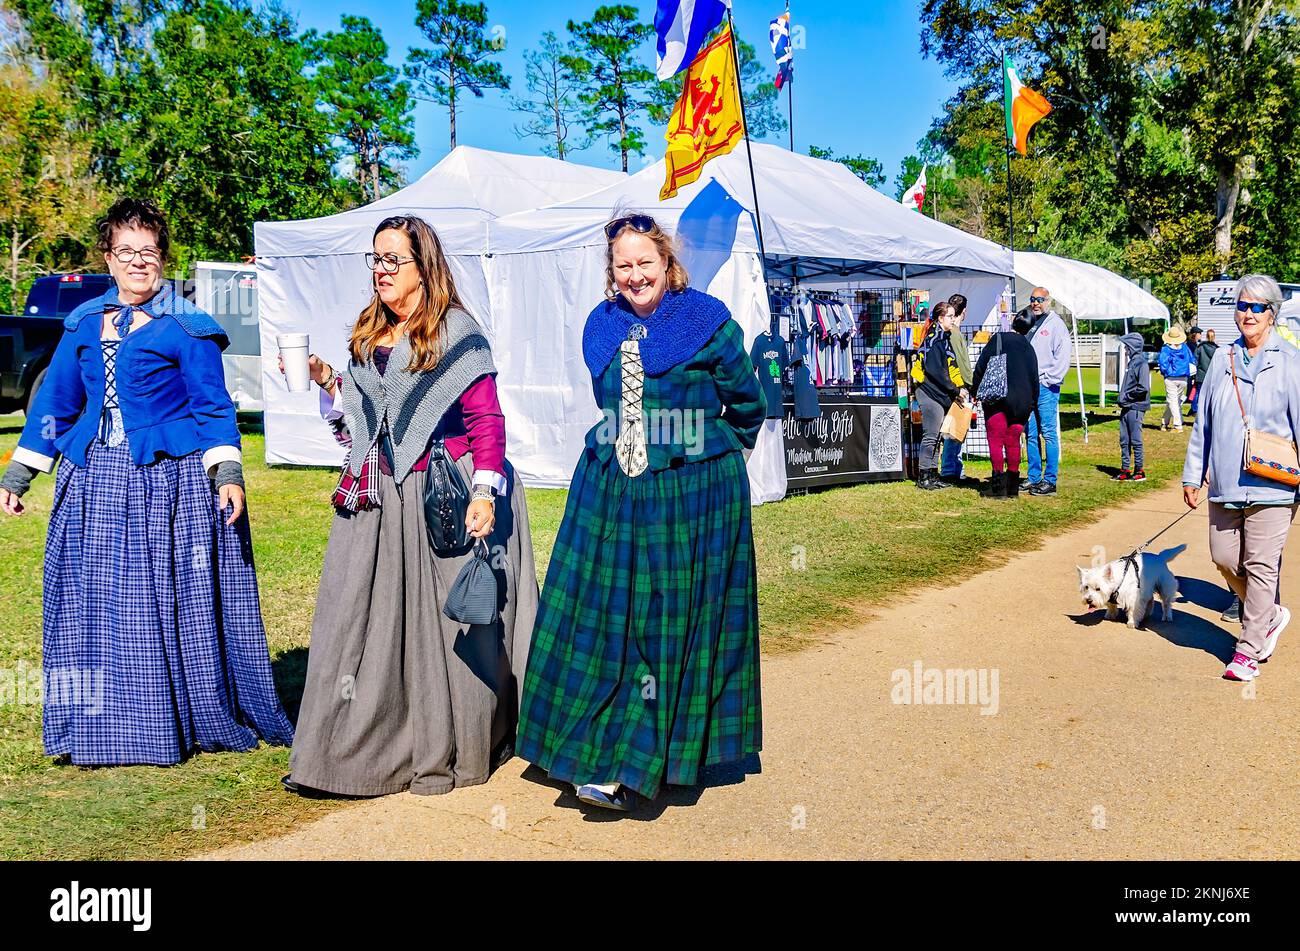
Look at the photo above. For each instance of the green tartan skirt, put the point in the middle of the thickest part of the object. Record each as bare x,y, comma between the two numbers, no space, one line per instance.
644,660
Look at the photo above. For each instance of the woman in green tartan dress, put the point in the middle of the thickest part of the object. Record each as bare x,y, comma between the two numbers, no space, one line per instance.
644,661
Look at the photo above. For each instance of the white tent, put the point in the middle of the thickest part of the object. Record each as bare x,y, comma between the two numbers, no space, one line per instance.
536,274
312,276
818,220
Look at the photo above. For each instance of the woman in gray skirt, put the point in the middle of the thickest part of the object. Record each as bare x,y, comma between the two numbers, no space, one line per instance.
398,696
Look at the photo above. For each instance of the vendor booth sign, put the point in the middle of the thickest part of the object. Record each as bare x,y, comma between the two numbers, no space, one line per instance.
855,439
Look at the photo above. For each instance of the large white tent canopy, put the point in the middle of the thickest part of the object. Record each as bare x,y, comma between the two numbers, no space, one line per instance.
312,275
1087,291
532,276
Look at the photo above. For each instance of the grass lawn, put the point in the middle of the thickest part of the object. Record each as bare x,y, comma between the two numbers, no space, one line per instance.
824,560
1092,390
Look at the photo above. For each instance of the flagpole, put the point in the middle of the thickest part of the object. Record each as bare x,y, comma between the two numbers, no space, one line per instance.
753,180
790,91
1011,211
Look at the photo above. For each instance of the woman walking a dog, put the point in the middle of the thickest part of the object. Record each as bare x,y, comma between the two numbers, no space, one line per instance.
1251,396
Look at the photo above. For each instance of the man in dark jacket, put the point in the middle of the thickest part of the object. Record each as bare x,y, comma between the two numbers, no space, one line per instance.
1204,350
1134,401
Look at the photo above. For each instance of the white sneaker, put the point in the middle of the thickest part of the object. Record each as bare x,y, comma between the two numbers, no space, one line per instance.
1242,668
1280,620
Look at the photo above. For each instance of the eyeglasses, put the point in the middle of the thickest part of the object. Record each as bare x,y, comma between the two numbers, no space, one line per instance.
1038,300
125,255
1252,306
642,223
387,263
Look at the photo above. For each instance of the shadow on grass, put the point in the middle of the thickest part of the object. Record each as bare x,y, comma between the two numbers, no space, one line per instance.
290,672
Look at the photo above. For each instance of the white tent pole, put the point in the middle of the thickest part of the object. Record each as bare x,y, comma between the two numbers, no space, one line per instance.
1078,369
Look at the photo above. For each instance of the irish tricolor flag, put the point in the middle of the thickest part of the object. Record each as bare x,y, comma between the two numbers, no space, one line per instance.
1024,107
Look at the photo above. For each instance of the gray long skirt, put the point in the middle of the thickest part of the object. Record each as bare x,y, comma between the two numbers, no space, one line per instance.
398,696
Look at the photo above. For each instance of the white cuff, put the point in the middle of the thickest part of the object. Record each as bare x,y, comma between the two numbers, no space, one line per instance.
331,407
218,454
487,477
34,460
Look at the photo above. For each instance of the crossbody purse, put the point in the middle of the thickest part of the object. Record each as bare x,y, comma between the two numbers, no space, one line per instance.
1266,455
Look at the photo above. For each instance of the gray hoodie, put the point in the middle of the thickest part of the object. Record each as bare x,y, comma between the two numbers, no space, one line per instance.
1135,388
1051,342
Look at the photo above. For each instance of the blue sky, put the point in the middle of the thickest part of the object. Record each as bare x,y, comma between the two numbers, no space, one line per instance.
861,84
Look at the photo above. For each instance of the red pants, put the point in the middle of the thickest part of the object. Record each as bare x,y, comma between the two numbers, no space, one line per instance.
1003,439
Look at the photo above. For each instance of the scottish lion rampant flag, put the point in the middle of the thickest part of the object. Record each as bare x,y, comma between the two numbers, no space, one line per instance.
779,33
682,27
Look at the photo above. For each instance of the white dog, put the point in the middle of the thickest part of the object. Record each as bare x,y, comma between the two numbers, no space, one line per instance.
1130,584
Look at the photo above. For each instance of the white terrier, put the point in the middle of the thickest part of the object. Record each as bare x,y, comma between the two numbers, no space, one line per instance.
1130,584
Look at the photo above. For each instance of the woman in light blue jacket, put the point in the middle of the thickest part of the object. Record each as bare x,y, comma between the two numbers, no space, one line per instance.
1250,516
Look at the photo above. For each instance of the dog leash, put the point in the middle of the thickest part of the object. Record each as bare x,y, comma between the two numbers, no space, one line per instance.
1143,547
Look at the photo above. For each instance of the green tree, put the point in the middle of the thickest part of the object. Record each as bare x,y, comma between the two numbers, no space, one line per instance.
868,169
371,108
204,107
618,86
48,195
460,59
552,101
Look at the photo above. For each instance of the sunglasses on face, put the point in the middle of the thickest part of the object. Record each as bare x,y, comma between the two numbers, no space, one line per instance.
125,255
1038,300
385,263
641,223
1252,306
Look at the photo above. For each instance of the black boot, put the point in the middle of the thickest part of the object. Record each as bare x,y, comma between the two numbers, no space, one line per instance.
1013,484
998,486
927,480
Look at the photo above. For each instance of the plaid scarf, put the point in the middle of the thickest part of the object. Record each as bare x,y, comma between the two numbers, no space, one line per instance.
361,491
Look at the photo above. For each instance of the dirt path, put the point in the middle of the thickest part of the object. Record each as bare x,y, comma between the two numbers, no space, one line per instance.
1106,742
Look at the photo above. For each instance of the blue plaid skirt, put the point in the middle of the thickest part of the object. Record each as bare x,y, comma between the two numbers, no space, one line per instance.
153,637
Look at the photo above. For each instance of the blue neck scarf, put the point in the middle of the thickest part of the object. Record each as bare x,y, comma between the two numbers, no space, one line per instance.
161,303
681,325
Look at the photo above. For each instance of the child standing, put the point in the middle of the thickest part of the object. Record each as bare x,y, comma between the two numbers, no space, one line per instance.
1134,401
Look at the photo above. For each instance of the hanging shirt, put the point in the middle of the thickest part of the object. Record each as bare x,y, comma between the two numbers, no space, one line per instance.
806,404
770,362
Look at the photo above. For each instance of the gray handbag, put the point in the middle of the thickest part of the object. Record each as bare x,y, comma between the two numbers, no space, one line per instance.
473,595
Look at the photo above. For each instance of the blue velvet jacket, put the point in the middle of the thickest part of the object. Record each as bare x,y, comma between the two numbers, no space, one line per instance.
170,382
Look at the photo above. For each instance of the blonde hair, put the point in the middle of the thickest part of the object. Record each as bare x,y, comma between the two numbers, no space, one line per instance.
674,271
424,327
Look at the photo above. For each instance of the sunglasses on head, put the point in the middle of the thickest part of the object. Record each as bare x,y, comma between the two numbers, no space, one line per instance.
642,223
1038,300
1252,306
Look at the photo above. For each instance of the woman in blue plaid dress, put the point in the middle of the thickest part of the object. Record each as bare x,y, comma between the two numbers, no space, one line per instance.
153,639
644,661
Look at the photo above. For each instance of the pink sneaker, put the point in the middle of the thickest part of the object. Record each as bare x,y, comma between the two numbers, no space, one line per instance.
1280,620
1242,668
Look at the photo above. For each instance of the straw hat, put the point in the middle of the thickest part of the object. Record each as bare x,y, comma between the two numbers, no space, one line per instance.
1175,336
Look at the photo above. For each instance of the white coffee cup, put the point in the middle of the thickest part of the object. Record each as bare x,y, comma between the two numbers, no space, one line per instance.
294,350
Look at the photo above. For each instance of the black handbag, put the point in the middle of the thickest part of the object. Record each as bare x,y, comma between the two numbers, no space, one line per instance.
446,503
473,595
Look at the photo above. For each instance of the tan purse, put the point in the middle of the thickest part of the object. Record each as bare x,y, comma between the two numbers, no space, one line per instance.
1267,456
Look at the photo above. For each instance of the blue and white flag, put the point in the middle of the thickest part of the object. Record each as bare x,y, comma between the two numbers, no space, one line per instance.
683,26
779,33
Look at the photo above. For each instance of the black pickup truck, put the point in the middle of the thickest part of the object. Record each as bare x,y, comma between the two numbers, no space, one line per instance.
27,340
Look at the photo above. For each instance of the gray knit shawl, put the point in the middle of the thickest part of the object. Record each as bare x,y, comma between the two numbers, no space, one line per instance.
413,403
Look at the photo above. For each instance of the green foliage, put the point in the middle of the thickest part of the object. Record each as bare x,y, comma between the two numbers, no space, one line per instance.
868,169
552,101
617,86
1162,156
370,107
460,58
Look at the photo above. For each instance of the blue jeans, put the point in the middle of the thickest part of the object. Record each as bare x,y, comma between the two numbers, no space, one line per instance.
951,460
1043,421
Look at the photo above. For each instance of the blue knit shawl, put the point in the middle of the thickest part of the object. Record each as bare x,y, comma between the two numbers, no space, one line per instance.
679,328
